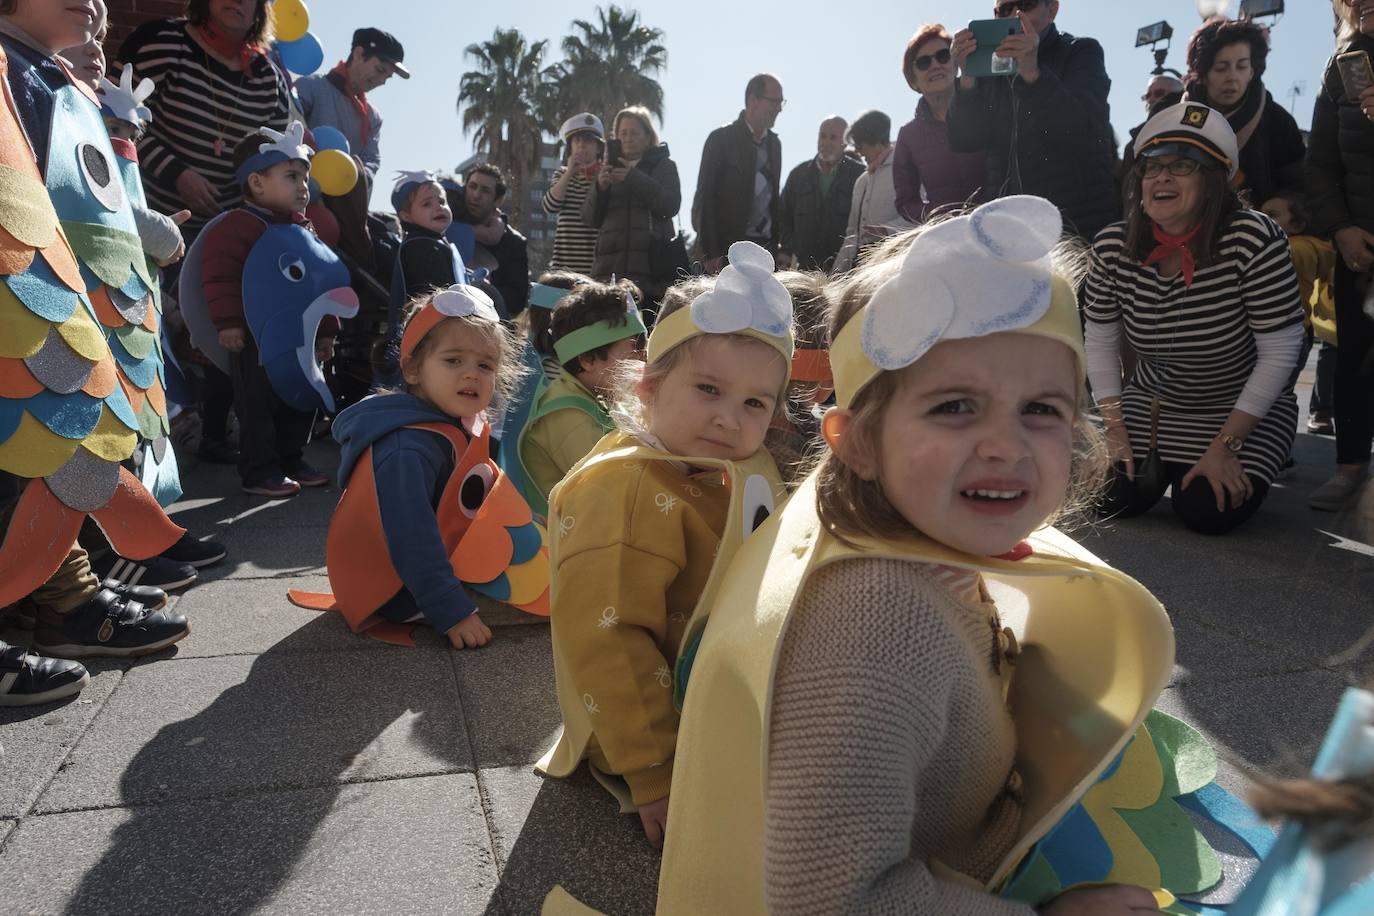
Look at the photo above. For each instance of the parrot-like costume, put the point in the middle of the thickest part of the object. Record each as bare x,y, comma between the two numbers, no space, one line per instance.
72,404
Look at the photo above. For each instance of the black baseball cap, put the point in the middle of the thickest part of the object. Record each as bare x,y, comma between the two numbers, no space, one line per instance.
377,43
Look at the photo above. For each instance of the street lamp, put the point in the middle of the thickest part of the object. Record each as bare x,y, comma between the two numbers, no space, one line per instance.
1153,35
1255,9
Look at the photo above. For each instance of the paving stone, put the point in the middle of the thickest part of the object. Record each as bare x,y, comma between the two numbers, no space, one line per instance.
406,846
508,696
35,740
498,614
197,728
1270,725
251,616
313,506
568,832
271,552
6,828
1206,652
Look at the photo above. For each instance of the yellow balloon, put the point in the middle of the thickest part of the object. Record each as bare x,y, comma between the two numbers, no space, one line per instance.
335,171
290,19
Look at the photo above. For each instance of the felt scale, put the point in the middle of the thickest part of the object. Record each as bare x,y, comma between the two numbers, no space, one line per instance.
65,420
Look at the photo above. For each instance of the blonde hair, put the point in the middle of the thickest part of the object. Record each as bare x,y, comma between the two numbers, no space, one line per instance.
642,115
850,506
509,369
627,408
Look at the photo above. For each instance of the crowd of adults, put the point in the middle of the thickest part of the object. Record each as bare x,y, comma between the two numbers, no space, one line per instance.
1193,313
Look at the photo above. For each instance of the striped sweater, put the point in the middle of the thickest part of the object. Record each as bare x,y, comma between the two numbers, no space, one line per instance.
574,242
201,110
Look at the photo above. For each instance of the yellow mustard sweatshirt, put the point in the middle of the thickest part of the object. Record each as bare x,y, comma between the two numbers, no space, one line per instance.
558,440
638,540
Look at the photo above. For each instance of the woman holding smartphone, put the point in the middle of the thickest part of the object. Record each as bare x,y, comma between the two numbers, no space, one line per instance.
1340,183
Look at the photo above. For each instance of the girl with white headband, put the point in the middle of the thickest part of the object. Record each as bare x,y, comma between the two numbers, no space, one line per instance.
639,525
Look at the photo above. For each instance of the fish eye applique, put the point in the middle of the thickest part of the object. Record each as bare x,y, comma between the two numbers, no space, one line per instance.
474,489
291,267
100,176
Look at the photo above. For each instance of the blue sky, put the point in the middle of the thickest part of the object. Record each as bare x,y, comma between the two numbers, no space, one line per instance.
840,57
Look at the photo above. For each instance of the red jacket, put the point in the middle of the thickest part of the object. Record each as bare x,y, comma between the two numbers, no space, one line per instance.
226,247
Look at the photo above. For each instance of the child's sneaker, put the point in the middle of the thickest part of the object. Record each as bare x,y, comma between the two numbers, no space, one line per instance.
156,572
307,476
1320,424
195,553
146,595
274,488
1336,493
108,624
27,679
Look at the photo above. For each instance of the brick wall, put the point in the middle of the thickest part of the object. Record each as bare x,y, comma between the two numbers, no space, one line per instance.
126,15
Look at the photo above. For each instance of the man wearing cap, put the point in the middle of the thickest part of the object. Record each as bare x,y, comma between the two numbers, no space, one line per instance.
815,201
574,242
339,98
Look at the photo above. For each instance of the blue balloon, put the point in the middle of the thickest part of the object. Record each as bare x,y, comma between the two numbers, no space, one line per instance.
327,137
302,56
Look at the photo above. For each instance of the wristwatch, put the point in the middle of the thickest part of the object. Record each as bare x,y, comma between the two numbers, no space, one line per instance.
1232,443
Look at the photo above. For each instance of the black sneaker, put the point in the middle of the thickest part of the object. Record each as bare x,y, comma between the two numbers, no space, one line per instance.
217,451
146,595
155,571
27,679
195,553
108,624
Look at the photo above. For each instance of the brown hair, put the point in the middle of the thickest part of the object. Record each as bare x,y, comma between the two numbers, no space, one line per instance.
642,115
508,371
850,506
586,305
1219,204
1337,812
929,32
198,13
537,320
1217,33
810,308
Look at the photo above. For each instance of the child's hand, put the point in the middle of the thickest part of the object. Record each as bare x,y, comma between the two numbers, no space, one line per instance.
469,633
232,339
1116,900
178,218
324,349
654,818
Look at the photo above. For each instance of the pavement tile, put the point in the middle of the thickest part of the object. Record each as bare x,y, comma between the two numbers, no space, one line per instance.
405,846
508,696
498,614
568,832
1205,651
35,740
1268,725
198,728
252,616
6,828
314,506
260,552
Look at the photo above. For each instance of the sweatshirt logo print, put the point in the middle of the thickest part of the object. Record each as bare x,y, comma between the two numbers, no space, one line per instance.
587,701
664,677
665,503
565,525
608,619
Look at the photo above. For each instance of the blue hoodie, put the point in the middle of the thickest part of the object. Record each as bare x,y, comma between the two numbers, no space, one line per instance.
411,468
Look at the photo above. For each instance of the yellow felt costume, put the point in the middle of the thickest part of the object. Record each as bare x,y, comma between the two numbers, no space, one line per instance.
1314,261
565,424
635,540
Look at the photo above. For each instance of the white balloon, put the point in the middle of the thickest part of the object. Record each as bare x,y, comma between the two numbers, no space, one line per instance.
1209,8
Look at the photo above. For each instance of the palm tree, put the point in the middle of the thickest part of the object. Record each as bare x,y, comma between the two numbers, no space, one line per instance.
504,104
611,64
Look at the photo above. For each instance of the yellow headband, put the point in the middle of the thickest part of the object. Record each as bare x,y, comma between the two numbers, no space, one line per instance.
971,276
746,299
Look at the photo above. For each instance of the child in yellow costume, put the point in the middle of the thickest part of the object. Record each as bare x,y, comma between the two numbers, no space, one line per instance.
860,731
637,526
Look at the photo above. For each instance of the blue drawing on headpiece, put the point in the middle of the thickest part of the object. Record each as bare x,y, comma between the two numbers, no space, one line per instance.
1020,317
291,280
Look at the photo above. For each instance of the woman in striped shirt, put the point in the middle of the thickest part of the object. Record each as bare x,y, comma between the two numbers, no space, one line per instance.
574,242
215,85
1208,299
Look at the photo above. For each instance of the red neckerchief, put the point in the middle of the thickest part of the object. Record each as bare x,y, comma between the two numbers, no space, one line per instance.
1168,244
1019,552
359,100
229,47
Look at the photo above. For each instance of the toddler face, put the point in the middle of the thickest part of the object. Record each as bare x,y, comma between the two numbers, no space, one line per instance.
59,23
974,449
599,374
718,401
1281,211
429,208
88,60
284,187
457,369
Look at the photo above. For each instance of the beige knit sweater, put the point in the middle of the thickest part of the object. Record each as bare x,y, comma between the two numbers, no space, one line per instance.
890,746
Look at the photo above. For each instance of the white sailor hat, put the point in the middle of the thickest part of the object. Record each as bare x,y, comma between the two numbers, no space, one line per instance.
1190,129
580,123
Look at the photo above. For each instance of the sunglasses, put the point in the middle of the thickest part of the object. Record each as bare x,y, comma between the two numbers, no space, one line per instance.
1012,7
924,61
1152,168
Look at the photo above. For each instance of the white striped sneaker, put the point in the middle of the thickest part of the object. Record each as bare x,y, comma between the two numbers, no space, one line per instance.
155,571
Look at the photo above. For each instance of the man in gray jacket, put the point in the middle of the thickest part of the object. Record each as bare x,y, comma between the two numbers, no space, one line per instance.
338,99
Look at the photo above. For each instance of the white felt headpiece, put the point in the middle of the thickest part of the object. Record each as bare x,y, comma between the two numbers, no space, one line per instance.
290,144
125,100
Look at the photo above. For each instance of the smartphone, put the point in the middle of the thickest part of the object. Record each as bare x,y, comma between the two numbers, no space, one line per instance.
989,34
1356,73
614,155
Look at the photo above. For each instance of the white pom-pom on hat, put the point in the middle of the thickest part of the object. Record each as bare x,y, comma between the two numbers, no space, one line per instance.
462,301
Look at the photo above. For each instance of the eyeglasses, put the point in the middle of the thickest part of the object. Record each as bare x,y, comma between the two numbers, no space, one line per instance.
1012,7
925,60
1153,168
781,103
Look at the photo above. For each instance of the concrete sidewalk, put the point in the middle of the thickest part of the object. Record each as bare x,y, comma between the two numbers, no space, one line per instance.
274,761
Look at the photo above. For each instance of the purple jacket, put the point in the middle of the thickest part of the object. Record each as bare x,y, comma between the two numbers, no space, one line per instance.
927,173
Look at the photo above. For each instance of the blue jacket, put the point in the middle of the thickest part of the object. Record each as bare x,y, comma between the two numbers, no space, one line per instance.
411,468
